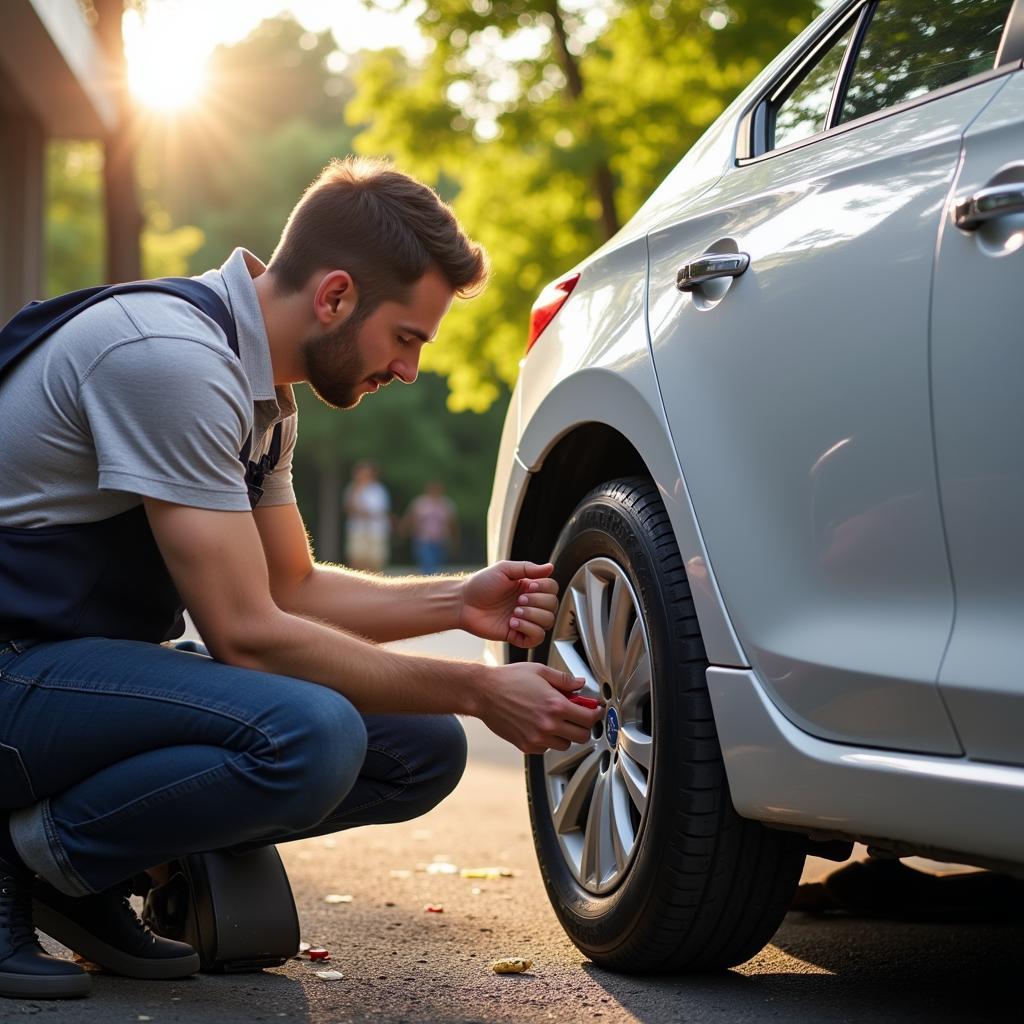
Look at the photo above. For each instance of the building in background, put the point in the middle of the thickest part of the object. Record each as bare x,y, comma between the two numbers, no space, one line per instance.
61,76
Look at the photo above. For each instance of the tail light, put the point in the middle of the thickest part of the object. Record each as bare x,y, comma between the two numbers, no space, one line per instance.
548,303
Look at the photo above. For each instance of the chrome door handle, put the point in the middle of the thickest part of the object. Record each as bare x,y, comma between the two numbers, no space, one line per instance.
710,266
988,204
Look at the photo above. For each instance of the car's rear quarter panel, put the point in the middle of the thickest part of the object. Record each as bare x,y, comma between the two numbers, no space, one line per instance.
592,365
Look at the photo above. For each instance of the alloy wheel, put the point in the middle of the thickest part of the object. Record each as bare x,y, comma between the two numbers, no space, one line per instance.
598,791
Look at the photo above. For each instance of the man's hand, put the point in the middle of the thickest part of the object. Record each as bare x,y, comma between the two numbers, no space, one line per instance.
528,704
510,601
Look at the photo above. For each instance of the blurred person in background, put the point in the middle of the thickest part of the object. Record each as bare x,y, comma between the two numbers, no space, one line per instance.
367,519
432,524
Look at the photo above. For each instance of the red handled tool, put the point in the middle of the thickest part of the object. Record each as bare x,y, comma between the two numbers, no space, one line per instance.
585,702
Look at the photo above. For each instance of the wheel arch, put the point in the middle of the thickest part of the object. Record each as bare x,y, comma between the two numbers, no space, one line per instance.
589,453
579,461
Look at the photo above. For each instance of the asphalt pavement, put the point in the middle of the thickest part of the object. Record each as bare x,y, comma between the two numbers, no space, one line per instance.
401,963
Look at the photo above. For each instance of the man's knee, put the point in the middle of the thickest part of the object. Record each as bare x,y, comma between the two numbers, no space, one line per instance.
443,758
321,753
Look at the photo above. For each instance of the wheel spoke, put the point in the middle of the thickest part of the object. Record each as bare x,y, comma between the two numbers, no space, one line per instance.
584,627
562,762
619,611
634,780
597,625
623,836
634,649
596,834
564,656
636,745
638,685
567,814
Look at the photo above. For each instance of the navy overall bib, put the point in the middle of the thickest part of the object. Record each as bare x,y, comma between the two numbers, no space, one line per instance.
104,578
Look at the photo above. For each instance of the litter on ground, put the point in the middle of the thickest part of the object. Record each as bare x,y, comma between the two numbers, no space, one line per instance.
511,965
442,868
489,872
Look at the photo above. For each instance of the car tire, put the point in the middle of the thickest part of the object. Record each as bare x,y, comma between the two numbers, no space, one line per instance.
699,888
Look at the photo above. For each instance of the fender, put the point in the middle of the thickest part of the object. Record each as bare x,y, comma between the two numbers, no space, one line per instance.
635,413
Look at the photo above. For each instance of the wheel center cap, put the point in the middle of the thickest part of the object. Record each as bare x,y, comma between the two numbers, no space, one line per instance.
612,727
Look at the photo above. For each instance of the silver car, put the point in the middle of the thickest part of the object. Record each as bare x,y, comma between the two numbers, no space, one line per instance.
772,437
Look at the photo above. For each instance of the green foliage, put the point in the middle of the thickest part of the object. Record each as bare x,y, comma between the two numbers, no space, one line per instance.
526,129
267,94
276,168
74,216
75,230
167,250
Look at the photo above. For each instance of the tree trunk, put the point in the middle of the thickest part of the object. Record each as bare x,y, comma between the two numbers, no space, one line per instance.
124,219
604,183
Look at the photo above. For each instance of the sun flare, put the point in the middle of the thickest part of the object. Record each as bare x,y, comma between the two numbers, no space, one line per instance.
166,63
168,85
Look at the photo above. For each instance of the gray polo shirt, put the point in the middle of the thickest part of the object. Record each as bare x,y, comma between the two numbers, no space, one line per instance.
141,396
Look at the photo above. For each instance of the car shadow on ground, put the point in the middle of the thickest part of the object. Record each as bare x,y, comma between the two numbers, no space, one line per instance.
844,969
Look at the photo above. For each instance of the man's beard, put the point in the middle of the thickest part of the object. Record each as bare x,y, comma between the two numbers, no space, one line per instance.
334,368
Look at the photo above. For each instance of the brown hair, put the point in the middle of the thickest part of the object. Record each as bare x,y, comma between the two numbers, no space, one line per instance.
385,228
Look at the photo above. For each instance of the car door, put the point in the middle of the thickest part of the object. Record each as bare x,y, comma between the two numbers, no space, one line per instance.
797,392
978,381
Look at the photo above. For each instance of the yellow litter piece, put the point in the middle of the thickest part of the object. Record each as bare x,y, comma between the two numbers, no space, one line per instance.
511,965
486,873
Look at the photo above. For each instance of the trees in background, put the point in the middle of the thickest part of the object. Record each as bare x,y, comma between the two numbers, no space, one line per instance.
272,118
75,223
550,123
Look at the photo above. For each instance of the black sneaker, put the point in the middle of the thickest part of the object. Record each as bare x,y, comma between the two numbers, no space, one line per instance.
105,929
26,970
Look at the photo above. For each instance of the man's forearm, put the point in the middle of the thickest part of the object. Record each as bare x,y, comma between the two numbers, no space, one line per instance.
523,703
378,607
373,679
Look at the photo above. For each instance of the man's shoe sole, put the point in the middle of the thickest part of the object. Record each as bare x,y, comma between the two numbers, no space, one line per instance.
74,936
45,986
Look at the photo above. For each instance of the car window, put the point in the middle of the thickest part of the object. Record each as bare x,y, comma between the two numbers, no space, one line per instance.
913,47
805,110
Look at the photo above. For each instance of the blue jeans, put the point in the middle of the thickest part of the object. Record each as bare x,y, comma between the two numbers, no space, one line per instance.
117,755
